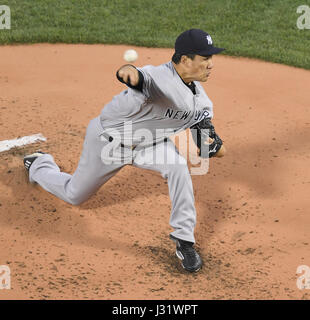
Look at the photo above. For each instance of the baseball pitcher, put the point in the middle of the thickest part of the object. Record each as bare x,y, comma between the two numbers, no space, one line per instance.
134,129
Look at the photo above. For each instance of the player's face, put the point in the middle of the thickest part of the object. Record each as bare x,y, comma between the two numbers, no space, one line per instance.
200,68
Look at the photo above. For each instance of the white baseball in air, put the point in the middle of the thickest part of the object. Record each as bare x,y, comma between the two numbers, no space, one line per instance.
130,55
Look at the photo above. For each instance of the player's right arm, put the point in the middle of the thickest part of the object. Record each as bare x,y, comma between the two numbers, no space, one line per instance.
131,76
148,80
153,82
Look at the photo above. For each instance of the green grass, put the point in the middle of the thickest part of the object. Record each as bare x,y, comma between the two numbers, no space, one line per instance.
264,29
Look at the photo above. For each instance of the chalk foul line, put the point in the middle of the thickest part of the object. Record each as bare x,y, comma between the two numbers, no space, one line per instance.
19,142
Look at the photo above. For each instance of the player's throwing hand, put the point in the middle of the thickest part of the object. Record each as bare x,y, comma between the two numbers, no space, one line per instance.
129,74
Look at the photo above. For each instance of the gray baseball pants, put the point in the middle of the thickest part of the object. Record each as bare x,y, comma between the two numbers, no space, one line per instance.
93,171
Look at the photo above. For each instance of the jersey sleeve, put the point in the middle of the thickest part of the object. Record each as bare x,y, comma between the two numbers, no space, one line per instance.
154,82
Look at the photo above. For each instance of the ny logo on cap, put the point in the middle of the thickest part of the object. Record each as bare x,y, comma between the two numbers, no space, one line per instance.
208,37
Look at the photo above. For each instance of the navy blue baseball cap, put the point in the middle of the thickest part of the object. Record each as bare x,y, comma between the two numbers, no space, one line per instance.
195,41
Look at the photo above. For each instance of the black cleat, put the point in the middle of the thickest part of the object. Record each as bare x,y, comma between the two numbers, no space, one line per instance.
191,260
28,160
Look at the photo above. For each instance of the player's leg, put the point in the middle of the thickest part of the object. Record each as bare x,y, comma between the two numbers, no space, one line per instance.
166,159
90,174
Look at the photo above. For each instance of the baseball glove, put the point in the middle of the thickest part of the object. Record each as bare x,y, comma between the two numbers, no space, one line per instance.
201,133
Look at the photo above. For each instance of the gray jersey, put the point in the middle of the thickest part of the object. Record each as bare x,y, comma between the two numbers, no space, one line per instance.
164,103
165,106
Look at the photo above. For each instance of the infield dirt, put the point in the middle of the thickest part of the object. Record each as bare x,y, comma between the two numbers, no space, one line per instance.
253,218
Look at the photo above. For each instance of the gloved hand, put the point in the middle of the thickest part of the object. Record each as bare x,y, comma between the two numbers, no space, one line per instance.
203,132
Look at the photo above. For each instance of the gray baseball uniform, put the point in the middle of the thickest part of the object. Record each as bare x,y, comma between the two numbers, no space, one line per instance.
164,107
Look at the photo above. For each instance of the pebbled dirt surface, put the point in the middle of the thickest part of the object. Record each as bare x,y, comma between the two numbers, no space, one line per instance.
253,216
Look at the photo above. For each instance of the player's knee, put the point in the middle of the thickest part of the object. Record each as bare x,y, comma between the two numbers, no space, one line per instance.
179,169
182,161
75,201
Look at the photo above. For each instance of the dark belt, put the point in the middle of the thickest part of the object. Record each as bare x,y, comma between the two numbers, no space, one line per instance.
133,146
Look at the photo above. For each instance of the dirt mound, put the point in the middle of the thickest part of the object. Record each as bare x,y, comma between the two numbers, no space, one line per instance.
252,206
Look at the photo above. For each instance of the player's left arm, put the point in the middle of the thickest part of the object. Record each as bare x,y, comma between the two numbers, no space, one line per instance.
207,140
221,152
